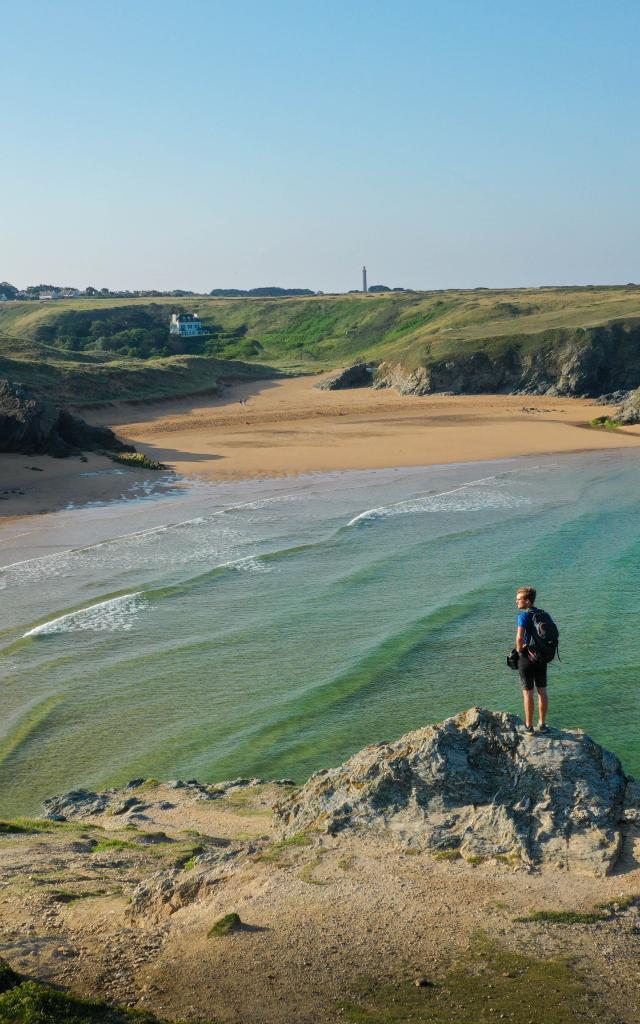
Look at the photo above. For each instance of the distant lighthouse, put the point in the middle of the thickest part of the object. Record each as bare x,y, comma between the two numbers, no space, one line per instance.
364,280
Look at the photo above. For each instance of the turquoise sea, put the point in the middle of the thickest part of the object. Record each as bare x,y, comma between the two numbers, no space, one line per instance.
270,628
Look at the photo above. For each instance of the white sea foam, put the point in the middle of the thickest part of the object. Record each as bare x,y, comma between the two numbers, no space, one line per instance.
104,472
249,563
63,563
458,499
113,616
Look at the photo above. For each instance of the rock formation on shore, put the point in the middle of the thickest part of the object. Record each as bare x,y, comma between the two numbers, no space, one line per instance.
577,362
477,785
360,375
474,785
34,427
629,412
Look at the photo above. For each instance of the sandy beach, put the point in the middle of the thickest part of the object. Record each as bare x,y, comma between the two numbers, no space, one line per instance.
289,427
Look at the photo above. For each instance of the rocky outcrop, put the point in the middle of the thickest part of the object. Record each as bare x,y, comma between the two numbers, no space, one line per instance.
477,785
629,412
407,382
167,891
578,362
360,375
130,801
30,426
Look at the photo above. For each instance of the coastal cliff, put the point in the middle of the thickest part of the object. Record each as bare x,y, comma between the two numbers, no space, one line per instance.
31,426
582,362
464,849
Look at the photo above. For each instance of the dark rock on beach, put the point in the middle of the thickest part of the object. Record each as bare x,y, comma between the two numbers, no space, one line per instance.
629,412
31,426
360,375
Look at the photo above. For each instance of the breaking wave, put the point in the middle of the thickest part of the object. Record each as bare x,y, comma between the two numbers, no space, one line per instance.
113,616
457,499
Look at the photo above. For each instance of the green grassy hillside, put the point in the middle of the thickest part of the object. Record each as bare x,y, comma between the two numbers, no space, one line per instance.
120,348
88,378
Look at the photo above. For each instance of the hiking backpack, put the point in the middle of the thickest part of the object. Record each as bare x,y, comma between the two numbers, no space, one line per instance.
544,639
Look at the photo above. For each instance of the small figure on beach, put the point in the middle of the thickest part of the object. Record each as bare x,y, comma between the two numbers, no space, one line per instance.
536,646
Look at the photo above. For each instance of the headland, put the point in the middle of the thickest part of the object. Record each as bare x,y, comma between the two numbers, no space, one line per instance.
449,876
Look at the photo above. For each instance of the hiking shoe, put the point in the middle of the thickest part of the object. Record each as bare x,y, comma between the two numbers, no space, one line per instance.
528,729
543,728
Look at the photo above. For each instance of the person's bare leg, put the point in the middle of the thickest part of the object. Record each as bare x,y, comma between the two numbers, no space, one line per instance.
543,704
527,696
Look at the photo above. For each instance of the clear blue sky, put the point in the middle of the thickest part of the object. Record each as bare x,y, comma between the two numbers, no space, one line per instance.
202,144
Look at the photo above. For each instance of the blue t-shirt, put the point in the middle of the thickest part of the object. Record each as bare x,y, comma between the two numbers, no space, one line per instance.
524,620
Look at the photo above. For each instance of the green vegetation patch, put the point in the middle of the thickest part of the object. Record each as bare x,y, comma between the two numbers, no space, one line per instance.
604,423
447,855
306,875
562,917
486,984
8,977
620,903
187,857
32,826
116,844
27,1002
148,784
10,828
226,925
275,851
136,460
67,896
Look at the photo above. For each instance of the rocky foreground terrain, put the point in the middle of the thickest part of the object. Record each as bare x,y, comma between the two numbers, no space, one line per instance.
466,873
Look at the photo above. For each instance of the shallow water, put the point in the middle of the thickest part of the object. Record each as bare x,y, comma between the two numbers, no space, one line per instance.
274,628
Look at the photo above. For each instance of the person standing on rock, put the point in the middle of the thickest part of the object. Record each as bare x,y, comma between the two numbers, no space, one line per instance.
536,644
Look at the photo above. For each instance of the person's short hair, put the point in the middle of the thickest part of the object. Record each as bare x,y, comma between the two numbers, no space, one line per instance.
529,593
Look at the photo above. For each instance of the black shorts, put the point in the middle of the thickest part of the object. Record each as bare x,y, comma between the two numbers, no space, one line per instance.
532,673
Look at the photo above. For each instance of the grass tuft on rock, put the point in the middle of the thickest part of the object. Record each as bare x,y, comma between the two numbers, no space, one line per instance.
447,855
187,858
226,925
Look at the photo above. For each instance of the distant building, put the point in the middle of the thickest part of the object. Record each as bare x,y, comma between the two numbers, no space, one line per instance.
364,279
185,324
46,296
